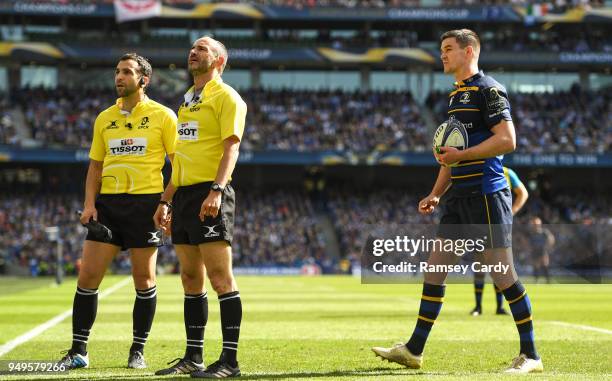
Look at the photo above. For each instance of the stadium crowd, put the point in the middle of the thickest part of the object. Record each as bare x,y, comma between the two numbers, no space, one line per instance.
356,121
8,133
275,228
566,121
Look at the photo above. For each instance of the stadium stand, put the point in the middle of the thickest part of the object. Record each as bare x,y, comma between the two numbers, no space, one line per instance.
572,121
273,228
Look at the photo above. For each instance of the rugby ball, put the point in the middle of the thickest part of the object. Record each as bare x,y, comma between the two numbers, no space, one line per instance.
451,133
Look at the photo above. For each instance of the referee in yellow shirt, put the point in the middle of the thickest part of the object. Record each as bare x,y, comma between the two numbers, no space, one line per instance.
210,126
130,142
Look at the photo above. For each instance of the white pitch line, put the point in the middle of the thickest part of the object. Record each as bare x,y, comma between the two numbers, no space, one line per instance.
6,348
584,327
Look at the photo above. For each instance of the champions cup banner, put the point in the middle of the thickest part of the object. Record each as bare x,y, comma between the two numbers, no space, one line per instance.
574,253
504,13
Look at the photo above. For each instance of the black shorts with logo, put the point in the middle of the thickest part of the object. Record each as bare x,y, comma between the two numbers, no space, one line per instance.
478,216
187,229
130,218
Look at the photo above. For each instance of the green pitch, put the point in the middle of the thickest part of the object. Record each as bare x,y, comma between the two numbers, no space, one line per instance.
323,328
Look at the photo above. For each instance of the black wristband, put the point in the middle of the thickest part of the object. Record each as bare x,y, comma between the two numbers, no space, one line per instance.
167,203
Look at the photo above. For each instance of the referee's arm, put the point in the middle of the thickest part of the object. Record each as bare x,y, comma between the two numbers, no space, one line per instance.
92,188
210,206
231,147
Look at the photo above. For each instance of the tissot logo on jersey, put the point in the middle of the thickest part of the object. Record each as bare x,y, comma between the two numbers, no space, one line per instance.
188,130
128,146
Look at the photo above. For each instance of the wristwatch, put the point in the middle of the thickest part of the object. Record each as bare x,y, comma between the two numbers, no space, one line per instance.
216,188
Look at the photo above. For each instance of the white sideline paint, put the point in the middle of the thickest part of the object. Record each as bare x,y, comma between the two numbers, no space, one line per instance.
6,348
584,327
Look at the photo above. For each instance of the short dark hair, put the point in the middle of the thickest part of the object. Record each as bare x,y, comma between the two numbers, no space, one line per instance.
144,67
464,38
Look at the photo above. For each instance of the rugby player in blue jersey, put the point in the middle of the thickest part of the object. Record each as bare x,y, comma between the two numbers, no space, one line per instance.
477,200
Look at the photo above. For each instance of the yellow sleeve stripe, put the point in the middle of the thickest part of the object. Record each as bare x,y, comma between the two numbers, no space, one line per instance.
466,176
438,299
470,163
522,321
464,109
428,320
519,298
469,88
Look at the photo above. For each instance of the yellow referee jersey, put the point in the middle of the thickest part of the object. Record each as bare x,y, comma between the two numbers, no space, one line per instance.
133,146
204,122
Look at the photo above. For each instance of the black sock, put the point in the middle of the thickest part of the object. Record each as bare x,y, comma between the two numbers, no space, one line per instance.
231,316
196,316
519,303
478,287
431,304
142,317
499,298
84,311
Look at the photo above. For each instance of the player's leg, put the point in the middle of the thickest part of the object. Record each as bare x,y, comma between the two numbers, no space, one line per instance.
544,266
96,258
431,300
218,260
186,235
499,301
520,306
479,282
195,310
499,251
537,265
143,272
410,353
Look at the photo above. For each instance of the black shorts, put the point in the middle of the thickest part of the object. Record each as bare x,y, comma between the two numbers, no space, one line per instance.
187,229
130,218
487,217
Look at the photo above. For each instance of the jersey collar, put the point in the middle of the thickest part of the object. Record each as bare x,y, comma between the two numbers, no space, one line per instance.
119,104
476,76
210,85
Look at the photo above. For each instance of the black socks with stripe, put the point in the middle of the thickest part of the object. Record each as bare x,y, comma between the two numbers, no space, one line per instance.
478,287
84,309
499,297
195,312
431,304
142,317
517,298
231,317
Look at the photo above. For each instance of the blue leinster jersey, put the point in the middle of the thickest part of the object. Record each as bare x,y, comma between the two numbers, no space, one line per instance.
479,102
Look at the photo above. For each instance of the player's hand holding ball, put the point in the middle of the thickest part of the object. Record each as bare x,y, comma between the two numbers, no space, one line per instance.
449,140
448,156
